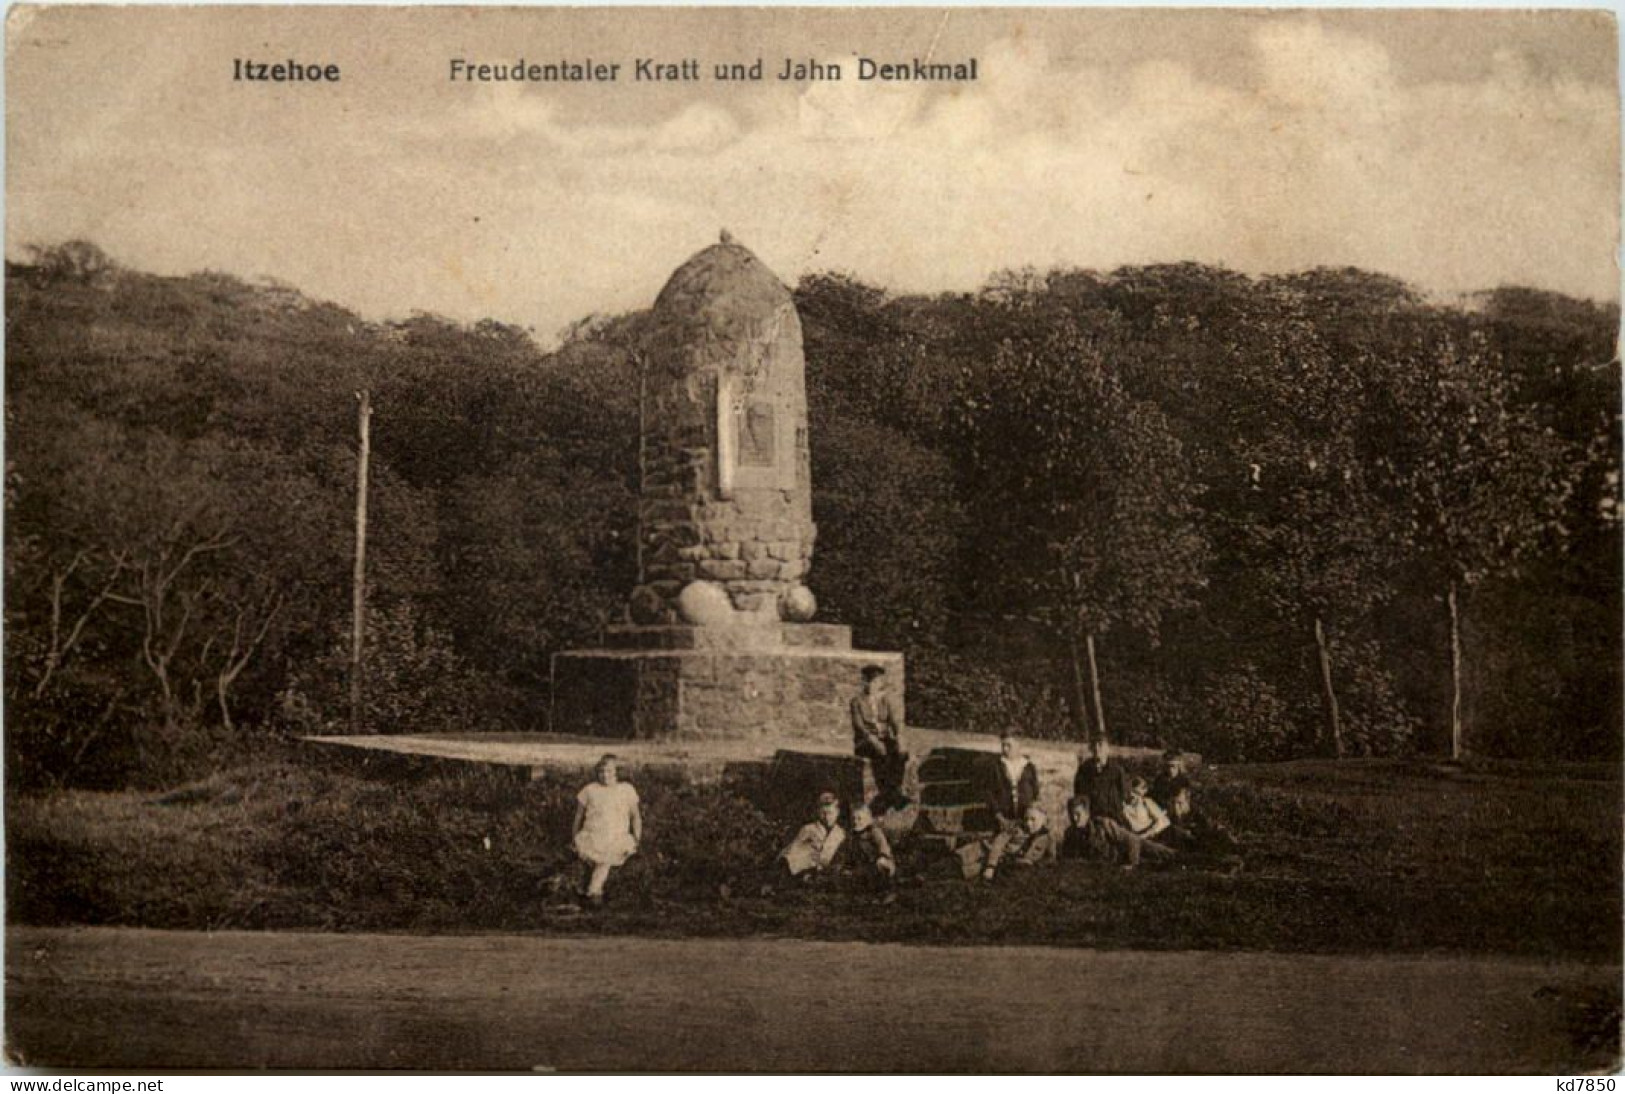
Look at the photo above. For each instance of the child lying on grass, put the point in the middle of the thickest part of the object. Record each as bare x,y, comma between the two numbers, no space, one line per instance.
1029,843
1100,839
1191,829
1093,838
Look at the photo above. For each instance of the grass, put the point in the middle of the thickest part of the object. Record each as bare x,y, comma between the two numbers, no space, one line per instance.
1359,856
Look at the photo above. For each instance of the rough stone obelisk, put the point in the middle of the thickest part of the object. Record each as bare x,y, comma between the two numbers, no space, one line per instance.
719,642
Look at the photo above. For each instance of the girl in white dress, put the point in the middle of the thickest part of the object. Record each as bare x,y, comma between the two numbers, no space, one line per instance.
608,825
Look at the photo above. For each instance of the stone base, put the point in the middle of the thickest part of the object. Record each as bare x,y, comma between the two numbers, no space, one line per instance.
796,683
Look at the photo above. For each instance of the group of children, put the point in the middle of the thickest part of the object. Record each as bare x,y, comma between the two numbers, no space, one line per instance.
1112,817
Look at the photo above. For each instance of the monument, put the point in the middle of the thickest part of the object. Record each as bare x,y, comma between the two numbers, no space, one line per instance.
719,642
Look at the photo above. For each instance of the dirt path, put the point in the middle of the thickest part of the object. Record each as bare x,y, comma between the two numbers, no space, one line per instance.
134,999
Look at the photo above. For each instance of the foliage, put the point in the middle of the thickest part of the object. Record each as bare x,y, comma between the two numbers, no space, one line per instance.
1085,510
1190,466
1244,719
889,524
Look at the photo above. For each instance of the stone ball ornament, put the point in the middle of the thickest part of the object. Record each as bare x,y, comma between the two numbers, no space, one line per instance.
705,604
798,605
646,606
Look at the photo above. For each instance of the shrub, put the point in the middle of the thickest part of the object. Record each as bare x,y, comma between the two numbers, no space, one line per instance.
414,680
1246,719
954,691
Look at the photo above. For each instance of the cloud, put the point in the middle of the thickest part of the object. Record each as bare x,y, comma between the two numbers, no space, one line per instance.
1311,146
504,112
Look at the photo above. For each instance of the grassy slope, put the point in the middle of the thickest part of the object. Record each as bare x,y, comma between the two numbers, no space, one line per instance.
1361,856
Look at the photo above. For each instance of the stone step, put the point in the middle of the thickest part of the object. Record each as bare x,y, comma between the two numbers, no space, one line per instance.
955,765
954,819
951,793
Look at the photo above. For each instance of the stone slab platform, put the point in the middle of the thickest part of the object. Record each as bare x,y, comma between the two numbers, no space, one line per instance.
537,754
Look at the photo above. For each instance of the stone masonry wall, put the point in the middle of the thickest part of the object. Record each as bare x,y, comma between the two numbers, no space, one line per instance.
725,324
713,695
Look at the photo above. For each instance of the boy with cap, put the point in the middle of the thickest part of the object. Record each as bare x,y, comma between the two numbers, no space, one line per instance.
1103,781
877,734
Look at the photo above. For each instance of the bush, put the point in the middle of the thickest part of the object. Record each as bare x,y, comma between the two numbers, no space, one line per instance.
414,682
74,739
958,692
1246,720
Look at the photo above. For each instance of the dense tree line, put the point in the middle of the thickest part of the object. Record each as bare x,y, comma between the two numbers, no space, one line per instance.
1258,517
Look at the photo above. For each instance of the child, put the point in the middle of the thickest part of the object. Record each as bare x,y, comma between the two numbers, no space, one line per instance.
1141,815
608,825
1027,844
1102,780
1101,839
877,737
869,852
1191,829
1171,781
815,846
1014,785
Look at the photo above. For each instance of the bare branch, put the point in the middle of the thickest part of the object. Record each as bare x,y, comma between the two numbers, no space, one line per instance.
59,652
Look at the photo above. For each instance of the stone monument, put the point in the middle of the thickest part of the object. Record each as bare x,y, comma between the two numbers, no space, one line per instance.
720,641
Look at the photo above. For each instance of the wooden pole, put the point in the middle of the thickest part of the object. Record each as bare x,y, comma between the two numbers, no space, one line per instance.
1094,686
359,591
1080,704
1456,733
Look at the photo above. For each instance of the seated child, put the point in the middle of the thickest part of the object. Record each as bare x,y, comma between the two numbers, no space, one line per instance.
1029,843
1101,839
1170,780
815,846
1141,815
608,825
868,851
1192,829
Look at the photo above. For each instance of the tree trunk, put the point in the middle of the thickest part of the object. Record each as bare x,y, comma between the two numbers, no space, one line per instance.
1094,687
1079,701
221,688
359,592
1328,692
1457,731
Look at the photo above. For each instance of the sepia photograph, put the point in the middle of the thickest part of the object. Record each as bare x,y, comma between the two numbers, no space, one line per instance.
812,540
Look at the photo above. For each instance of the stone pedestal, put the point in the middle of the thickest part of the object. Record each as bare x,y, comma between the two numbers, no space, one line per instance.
791,681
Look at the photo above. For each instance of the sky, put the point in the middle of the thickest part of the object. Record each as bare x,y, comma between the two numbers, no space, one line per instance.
1459,150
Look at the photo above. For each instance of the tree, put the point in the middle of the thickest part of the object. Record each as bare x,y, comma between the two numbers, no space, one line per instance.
1300,501
1481,486
1083,491
889,523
